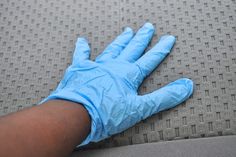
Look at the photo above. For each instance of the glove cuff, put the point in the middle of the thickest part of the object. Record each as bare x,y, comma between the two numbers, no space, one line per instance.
96,125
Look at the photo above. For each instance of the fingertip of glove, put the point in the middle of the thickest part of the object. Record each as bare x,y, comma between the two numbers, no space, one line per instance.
128,29
81,39
149,26
128,32
188,84
166,43
169,38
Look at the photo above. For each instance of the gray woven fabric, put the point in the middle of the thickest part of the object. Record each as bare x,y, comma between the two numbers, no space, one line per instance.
37,41
223,146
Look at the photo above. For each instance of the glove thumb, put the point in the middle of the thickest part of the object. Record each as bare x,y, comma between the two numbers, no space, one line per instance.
165,98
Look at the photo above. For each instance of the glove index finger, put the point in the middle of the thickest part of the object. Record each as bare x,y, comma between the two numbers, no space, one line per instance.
149,61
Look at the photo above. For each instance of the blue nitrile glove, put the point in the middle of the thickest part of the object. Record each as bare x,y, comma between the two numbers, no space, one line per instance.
107,87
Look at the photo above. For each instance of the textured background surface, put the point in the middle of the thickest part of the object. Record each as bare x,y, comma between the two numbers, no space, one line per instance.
37,40
220,146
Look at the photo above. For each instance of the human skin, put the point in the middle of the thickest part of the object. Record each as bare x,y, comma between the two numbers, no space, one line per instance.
52,129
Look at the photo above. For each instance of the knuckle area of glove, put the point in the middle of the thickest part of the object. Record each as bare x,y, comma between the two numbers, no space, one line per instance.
123,71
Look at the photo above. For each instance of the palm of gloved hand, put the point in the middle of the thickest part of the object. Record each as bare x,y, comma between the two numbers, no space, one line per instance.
108,86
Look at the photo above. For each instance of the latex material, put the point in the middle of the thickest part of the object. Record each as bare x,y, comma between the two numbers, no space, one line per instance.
108,86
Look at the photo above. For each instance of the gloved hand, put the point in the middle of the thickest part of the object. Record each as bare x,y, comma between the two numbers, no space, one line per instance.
107,87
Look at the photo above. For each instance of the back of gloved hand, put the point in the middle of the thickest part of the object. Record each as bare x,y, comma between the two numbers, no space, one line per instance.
107,87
